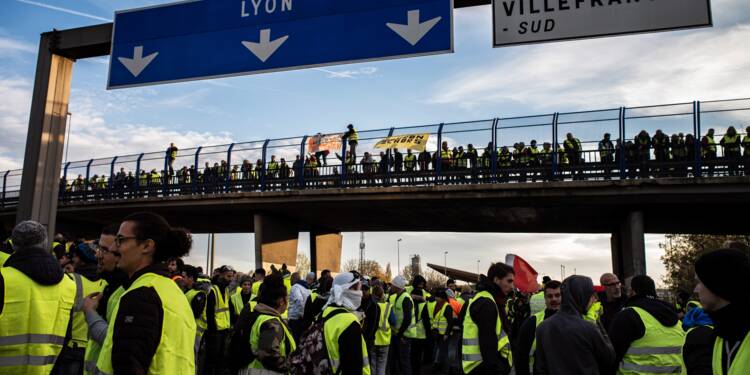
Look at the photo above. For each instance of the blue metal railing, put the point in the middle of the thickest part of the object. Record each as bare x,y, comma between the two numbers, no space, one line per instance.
630,162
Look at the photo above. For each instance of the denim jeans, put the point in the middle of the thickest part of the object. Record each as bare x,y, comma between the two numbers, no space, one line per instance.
378,360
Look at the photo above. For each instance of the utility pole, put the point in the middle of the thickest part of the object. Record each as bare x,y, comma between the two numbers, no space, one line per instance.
445,263
361,252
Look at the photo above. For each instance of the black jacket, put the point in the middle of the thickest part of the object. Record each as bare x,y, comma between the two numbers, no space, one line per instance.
114,280
370,325
138,325
697,352
313,309
732,325
485,313
40,266
524,340
627,326
566,344
611,308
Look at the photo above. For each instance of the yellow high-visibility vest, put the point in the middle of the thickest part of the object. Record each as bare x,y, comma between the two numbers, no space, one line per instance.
471,356
332,329
33,323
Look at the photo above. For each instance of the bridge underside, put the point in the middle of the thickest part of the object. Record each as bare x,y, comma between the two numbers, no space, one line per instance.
708,206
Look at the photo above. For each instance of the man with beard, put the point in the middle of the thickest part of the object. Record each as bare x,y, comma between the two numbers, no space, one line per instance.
98,307
566,343
526,338
612,299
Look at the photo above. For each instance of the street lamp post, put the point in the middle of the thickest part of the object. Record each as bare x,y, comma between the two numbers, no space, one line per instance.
445,263
398,255
478,260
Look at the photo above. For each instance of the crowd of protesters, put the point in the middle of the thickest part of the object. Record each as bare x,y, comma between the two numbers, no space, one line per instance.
645,156
126,303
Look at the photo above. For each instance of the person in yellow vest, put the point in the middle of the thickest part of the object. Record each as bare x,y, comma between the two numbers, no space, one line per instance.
382,342
152,330
171,157
36,304
196,293
316,301
399,361
731,145
258,277
440,314
98,307
352,138
647,335
485,345
721,289
87,282
239,299
342,330
419,342
263,333
217,315
523,356
568,344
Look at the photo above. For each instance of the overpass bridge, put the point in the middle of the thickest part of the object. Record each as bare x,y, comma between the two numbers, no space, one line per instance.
632,190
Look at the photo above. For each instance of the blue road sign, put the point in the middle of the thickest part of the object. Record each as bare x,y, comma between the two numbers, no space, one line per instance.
220,38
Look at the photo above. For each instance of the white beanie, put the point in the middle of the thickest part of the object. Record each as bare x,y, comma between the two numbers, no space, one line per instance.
399,282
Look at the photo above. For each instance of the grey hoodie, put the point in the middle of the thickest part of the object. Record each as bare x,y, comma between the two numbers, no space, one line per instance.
567,344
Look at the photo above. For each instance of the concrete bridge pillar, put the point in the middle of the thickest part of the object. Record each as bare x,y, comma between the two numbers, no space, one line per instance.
275,241
629,247
325,251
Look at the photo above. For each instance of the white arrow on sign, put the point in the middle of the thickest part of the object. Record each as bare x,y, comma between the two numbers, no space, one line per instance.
136,65
265,48
413,31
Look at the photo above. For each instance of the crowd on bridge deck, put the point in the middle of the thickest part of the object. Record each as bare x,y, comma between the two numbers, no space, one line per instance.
126,303
673,156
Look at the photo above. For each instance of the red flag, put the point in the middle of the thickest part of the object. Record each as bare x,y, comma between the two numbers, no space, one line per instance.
525,278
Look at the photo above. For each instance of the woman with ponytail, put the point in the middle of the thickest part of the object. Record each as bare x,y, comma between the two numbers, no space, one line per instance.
153,330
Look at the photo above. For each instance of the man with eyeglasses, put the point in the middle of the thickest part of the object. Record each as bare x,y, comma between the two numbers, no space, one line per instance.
98,307
612,298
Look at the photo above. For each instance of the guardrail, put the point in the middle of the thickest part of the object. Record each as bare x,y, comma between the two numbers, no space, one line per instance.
471,156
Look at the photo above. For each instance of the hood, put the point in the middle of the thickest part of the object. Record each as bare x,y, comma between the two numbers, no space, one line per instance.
262,308
39,265
662,311
576,293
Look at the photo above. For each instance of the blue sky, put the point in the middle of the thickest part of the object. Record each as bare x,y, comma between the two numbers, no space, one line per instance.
476,82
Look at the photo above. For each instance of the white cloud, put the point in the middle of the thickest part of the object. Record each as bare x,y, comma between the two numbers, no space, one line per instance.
8,45
16,94
365,71
631,70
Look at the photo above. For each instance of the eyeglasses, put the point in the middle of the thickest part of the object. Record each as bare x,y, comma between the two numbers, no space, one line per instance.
119,239
616,283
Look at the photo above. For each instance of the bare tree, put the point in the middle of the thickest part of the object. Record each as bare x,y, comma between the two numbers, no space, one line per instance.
303,265
369,267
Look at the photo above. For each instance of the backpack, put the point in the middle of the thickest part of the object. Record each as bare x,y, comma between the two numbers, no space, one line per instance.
311,355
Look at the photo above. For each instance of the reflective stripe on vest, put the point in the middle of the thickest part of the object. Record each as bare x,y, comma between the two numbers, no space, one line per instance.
438,320
34,322
383,333
176,351
80,329
332,329
471,356
539,319
659,351
255,337
741,363
221,309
